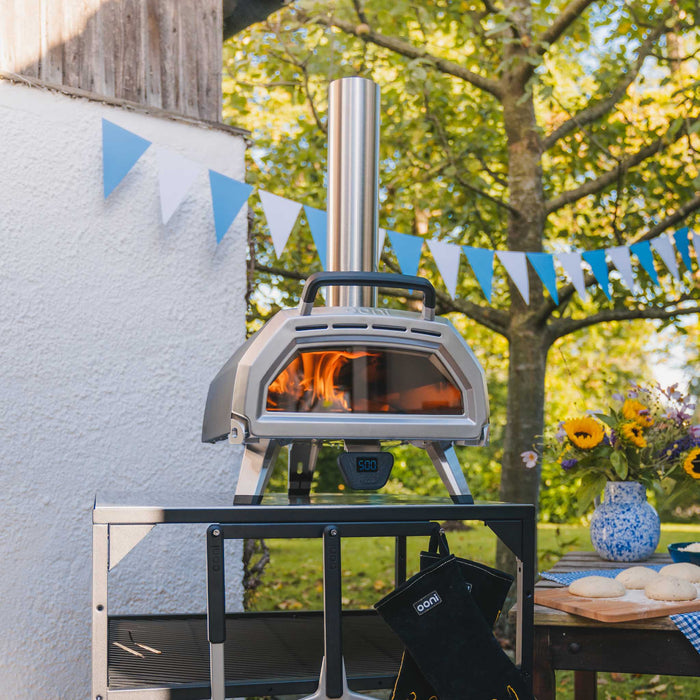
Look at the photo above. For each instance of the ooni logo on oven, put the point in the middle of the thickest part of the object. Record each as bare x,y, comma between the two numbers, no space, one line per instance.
423,605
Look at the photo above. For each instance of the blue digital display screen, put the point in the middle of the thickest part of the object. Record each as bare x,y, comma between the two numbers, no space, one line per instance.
366,464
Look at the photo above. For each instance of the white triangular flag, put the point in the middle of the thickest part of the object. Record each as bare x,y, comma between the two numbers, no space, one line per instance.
381,236
175,177
446,256
281,215
620,256
696,245
516,267
571,262
664,247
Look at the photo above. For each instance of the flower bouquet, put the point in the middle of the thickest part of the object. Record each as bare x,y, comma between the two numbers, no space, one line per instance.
647,436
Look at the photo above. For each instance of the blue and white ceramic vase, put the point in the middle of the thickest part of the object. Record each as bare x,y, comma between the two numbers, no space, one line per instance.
625,527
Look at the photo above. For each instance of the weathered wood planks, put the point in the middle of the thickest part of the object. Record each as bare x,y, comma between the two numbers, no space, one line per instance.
158,53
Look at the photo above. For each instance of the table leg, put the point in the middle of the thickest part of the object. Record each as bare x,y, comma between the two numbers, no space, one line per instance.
544,683
585,685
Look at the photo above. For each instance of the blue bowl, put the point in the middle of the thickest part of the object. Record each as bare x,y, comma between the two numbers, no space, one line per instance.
677,555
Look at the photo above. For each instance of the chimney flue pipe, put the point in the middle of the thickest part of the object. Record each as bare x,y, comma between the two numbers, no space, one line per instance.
353,176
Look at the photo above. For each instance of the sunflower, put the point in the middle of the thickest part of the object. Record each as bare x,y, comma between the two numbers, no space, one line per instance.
633,433
585,433
636,411
692,463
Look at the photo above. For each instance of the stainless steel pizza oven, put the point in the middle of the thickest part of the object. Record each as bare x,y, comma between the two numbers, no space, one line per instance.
350,371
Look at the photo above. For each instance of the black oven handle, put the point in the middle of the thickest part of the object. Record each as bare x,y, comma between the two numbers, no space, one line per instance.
368,279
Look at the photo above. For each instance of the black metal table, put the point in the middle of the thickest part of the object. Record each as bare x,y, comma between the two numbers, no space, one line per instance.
268,653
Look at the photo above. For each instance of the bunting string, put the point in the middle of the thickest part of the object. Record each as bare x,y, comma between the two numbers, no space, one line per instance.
121,150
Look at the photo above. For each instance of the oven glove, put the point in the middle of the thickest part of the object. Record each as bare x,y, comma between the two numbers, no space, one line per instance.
444,631
489,588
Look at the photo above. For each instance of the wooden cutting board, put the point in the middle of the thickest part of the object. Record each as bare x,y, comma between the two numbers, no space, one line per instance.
634,605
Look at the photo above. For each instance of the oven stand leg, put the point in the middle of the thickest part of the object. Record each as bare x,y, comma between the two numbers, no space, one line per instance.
445,460
256,469
301,465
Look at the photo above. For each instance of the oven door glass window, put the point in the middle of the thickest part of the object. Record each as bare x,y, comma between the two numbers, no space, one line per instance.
364,380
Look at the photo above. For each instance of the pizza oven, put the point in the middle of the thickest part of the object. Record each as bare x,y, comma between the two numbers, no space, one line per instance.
350,372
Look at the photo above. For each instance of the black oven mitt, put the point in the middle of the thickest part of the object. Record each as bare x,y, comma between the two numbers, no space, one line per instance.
489,588
449,639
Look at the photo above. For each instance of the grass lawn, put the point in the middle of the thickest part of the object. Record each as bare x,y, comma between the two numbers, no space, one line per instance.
293,581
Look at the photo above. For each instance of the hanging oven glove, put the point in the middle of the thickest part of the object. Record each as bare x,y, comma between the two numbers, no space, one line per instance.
443,629
489,588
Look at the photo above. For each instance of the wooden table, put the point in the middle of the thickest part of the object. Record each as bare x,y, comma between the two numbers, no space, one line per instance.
564,641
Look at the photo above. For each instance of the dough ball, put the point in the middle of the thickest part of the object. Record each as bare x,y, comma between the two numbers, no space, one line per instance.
684,570
670,588
636,577
597,587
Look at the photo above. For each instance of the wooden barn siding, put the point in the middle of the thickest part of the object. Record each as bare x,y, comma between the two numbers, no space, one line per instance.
158,53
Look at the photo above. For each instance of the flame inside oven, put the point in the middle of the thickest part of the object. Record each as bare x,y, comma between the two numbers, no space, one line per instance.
341,380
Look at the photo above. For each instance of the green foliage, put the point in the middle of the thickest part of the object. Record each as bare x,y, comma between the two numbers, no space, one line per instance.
449,157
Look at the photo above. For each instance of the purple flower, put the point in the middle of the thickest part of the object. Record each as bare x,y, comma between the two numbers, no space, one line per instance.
694,432
618,397
567,464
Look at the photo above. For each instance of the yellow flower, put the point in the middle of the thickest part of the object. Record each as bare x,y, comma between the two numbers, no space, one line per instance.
636,411
632,431
692,463
585,433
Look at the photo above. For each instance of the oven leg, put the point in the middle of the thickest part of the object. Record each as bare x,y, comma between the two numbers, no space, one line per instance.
100,621
301,466
216,611
448,467
256,469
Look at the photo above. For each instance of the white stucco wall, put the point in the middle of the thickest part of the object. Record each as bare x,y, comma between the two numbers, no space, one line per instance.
112,326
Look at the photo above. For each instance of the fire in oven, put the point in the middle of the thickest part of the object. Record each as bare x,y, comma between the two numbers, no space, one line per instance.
361,375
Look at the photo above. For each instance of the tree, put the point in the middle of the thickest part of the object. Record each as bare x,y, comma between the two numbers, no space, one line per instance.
514,125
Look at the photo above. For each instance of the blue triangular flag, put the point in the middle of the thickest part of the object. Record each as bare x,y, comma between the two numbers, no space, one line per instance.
227,198
596,259
544,267
120,151
318,223
407,249
682,240
481,261
643,252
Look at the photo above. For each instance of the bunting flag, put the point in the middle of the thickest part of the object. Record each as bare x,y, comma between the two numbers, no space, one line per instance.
381,237
227,197
663,246
620,256
682,241
696,245
318,223
481,261
596,259
646,259
571,262
120,151
281,215
543,264
446,256
516,267
407,249
176,174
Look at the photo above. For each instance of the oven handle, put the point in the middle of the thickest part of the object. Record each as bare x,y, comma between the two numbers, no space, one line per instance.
367,279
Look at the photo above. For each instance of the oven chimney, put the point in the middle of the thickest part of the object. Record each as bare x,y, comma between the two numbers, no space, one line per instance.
353,176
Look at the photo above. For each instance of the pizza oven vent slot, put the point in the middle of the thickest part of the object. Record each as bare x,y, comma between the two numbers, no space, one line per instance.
319,327
349,325
380,327
424,332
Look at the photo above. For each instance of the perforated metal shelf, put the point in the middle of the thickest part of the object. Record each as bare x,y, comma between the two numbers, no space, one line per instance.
271,652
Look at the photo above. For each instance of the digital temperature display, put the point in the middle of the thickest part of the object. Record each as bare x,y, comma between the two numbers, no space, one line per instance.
366,464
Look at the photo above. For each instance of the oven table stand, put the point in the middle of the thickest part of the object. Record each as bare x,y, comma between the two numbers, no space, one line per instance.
118,528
